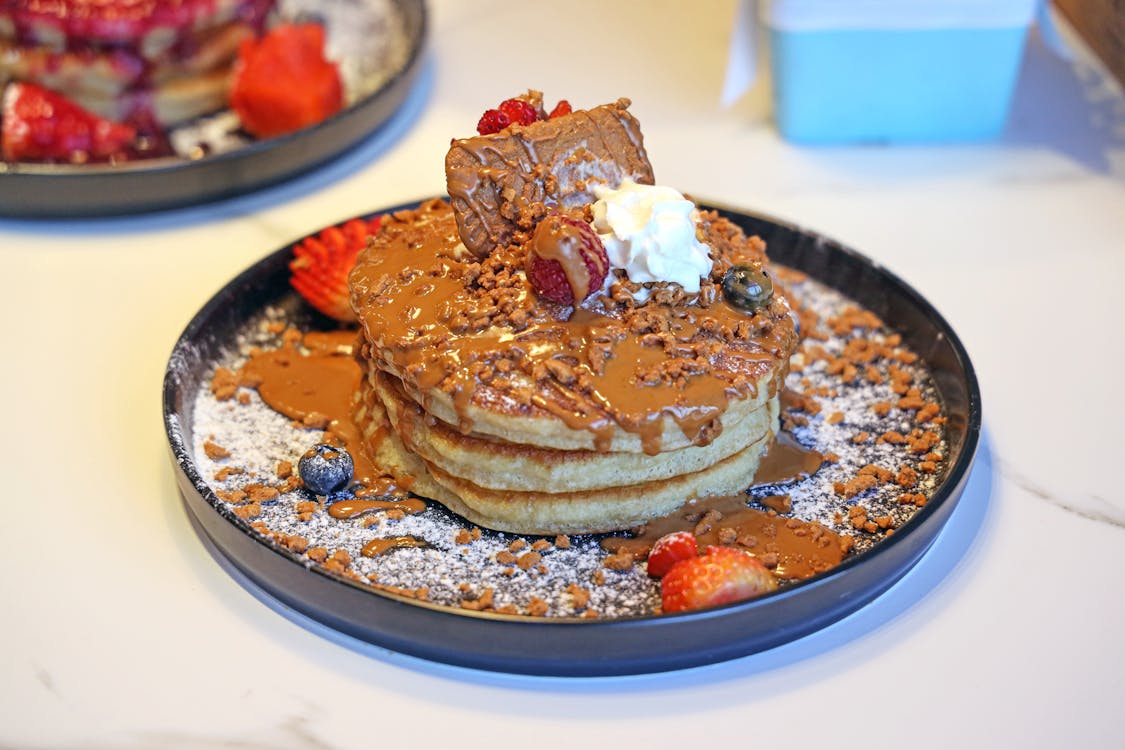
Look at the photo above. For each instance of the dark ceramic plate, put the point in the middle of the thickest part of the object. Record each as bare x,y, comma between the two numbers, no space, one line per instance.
586,647
57,191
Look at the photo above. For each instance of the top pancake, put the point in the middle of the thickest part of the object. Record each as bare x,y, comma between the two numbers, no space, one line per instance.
475,347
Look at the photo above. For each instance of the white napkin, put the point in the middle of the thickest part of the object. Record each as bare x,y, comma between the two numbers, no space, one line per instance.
742,53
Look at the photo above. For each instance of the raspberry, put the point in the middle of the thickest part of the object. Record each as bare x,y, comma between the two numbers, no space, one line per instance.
549,280
558,237
561,109
493,121
519,112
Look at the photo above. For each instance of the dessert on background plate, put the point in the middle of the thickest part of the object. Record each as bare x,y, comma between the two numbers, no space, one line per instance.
130,59
110,82
567,391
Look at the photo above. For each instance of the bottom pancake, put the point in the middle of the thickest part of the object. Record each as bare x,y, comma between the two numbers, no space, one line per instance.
528,512
496,464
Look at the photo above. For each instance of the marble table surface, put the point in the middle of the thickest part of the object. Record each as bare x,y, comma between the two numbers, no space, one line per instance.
120,629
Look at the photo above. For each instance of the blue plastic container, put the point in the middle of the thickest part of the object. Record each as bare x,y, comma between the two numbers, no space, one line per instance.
885,71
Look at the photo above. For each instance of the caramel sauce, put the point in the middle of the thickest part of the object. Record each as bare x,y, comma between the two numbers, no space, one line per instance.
379,546
793,548
317,387
428,323
787,461
356,507
323,379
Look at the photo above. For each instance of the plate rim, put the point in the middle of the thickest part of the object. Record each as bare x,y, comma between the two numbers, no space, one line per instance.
937,510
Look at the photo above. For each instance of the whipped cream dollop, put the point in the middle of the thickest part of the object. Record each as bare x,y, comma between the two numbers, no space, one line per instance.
649,231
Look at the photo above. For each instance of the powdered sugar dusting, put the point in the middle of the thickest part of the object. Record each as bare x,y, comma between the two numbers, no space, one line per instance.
239,443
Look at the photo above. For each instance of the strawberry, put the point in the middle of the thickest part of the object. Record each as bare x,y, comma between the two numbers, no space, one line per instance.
42,125
561,109
283,82
669,550
558,238
718,576
321,264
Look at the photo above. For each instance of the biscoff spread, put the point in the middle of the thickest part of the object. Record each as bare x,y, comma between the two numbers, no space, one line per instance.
497,326
439,317
850,377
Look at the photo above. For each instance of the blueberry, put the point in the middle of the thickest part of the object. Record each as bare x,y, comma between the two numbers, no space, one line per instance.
325,469
747,288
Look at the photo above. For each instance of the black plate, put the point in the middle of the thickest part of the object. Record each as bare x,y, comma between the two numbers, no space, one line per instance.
58,190
588,647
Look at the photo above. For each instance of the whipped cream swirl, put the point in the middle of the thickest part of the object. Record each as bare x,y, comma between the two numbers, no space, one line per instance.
649,231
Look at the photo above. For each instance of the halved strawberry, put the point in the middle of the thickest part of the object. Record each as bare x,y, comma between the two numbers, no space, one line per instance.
283,82
669,550
42,125
321,263
718,576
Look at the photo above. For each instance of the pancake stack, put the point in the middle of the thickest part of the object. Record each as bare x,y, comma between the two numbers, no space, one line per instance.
529,416
130,60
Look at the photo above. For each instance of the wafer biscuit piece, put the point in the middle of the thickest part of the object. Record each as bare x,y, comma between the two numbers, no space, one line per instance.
500,184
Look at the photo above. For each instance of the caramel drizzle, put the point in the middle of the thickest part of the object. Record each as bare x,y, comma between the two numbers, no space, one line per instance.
381,546
792,548
298,384
409,324
355,507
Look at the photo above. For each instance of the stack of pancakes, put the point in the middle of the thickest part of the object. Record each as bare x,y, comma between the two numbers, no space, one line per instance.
527,416
138,60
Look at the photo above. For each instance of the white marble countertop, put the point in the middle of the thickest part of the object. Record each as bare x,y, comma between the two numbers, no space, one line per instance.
121,630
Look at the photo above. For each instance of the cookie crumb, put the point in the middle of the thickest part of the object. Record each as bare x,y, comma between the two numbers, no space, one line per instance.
214,451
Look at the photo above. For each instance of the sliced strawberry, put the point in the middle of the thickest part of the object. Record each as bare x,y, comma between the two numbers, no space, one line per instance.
321,263
669,550
557,241
719,576
42,125
283,82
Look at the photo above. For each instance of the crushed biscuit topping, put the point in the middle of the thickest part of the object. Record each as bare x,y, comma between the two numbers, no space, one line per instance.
862,492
